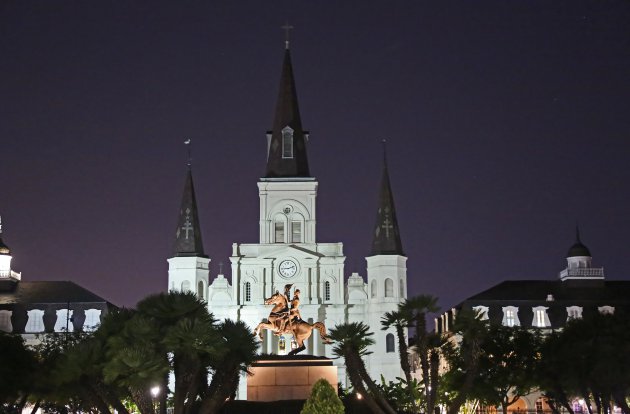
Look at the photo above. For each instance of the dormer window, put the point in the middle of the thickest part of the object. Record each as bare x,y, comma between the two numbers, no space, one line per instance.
287,142
481,312
541,320
574,312
510,316
606,310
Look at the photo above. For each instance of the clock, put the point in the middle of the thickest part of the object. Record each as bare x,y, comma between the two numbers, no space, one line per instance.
287,268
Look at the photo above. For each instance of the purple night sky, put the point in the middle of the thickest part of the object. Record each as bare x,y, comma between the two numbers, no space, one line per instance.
506,122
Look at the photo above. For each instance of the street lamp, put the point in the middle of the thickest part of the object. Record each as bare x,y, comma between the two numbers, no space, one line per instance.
155,391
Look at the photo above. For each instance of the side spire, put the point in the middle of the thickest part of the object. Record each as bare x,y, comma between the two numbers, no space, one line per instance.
188,234
386,232
286,155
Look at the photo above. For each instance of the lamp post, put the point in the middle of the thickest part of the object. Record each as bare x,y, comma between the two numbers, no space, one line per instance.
155,391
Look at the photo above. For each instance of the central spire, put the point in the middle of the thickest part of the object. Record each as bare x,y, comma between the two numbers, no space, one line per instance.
286,155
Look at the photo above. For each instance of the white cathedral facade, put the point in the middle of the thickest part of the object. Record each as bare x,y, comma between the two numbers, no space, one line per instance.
288,252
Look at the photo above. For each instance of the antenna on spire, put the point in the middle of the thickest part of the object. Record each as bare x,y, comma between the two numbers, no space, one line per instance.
577,232
287,28
384,142
188,148
220,268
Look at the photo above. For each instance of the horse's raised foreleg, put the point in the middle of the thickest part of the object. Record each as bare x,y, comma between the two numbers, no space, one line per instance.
264,325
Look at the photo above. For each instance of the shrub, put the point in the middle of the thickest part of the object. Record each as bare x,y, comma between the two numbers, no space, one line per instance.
323,400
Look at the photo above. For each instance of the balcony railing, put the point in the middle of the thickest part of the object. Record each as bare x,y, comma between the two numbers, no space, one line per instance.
10,274
585,272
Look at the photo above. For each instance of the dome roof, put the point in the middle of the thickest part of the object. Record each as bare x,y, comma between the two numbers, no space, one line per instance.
4,249
578,249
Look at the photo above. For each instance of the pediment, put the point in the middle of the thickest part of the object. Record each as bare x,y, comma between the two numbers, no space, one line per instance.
291,250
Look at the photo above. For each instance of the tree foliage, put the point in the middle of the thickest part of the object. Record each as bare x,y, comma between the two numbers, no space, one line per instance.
323,400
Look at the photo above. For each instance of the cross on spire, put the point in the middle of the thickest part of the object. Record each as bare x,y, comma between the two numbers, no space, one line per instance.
188,144
287,31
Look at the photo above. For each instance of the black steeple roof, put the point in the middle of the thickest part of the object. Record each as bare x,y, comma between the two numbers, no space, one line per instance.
386,231
282,161
188,234
578,249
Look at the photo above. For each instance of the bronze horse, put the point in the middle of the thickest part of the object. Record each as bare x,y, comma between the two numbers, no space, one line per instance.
300,329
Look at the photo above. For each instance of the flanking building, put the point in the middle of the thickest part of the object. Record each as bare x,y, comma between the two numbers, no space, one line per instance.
289,252
33,309
578,291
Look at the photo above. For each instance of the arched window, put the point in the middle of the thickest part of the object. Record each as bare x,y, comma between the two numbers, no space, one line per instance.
248,292
186,286
389,288
278,232
327,291
200,289
5,321
35,321
402,288
64,321
389,343
92,319
373,289
510,316
541,319
287,142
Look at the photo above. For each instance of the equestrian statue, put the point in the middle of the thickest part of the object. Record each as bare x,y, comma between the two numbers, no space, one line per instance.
285,318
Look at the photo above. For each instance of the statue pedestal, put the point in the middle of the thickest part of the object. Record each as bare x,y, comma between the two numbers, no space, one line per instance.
283,377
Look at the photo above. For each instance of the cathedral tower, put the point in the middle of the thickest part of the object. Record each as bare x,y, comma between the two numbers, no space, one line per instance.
188,269
287,191
387,278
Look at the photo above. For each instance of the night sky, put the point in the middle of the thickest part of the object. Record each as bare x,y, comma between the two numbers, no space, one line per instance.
506,122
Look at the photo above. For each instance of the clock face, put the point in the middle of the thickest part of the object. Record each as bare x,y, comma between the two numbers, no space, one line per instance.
287,268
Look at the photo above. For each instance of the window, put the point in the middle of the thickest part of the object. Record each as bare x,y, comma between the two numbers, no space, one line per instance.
402,288
510,316
574,312
35,321
541,320
296,232
279,232
287,142
327,291
5,321
373,288
200,289
606,310
64,321
389,343
248,292
186,286
92,319
482,312
389,288
539,406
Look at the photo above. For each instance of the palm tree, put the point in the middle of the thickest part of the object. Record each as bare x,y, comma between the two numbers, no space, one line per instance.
399,321
352,342
239,351
416,309
188,333
464,356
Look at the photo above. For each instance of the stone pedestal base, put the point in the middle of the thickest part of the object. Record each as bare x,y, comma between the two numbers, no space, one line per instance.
288,377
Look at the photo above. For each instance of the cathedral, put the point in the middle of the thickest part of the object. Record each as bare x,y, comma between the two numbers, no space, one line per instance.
288,252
